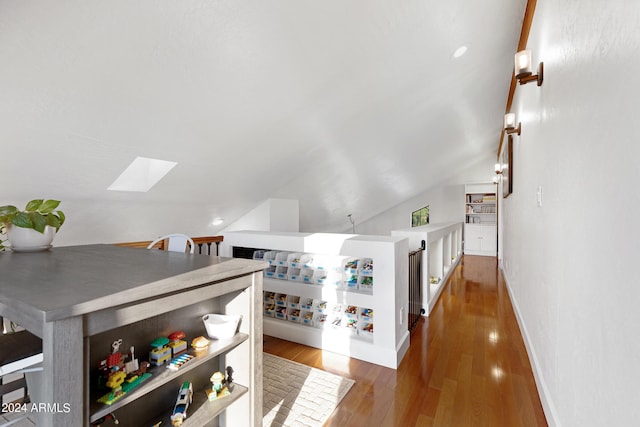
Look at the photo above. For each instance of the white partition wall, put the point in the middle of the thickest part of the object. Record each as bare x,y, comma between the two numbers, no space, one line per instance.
340,292
443,244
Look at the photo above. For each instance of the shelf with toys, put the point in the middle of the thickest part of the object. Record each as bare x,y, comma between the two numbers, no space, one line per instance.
155,376
157,359
345,272
91,297
320,314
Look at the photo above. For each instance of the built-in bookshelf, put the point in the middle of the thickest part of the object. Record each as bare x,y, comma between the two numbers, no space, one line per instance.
481,219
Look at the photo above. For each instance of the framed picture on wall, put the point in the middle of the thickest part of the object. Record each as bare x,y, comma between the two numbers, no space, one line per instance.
420,217
507,168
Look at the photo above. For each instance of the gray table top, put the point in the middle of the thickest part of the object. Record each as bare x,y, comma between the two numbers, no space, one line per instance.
74,280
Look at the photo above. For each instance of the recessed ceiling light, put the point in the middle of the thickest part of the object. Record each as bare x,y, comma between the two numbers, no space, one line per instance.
218,221
142,174
460,51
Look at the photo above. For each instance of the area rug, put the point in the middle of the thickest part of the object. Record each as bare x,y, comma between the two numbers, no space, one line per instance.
297,395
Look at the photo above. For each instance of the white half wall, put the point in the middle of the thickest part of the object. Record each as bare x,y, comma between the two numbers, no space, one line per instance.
570,263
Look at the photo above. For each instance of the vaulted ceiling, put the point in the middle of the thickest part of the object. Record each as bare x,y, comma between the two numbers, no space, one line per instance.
348,106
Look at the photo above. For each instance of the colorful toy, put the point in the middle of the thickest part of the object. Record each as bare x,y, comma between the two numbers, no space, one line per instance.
179,361
112,364
120,377
353,281
125,388
185,396
200,343
218,388
351,265
116,379
160,352
367,267
367,282
177,344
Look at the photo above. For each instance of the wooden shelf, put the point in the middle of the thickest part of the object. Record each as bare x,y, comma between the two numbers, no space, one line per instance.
161,375
201,411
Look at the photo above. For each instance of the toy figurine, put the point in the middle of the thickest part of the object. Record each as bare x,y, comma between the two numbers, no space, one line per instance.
112,364
229,374
185,396
160,352
218,388
216,381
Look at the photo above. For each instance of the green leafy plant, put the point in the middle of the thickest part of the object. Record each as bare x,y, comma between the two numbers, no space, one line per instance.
3,231
36,215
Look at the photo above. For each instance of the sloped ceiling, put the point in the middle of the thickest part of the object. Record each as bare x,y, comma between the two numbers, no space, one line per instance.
348,106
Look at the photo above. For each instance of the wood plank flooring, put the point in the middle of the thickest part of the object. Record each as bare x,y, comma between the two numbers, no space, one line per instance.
467,364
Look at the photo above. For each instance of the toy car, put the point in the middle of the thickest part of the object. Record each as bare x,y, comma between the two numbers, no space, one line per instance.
185,395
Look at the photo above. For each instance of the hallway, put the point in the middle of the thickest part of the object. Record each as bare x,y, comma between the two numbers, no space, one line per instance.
467,364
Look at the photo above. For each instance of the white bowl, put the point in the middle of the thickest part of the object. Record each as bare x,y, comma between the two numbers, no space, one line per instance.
220,326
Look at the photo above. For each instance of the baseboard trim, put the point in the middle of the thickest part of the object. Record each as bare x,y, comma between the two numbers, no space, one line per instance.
548,407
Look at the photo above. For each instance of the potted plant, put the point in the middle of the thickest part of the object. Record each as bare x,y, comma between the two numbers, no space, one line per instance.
32,228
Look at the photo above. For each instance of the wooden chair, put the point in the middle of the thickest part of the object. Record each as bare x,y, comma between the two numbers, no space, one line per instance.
176,243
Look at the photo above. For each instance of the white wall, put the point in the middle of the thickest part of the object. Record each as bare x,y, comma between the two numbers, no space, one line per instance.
445,200
90,222
270,215
571,263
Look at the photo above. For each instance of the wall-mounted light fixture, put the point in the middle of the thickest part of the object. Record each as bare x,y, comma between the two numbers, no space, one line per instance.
498,169
510,124
523,69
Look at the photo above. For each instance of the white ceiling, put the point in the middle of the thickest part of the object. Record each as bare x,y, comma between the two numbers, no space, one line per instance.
348,106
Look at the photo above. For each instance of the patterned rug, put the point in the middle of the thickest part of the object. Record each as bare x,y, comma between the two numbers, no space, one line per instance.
297,395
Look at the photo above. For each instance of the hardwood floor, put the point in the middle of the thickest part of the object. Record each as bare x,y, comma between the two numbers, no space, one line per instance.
467,364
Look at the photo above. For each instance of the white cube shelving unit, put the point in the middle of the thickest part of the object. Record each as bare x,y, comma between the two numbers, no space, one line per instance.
382,290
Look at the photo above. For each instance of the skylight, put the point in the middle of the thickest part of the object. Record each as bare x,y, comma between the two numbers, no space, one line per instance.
142,174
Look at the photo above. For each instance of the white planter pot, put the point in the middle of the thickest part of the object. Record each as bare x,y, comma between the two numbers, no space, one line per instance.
30,240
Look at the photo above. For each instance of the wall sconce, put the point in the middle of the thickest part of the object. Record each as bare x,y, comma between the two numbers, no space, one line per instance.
510,124
523,69
498,169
